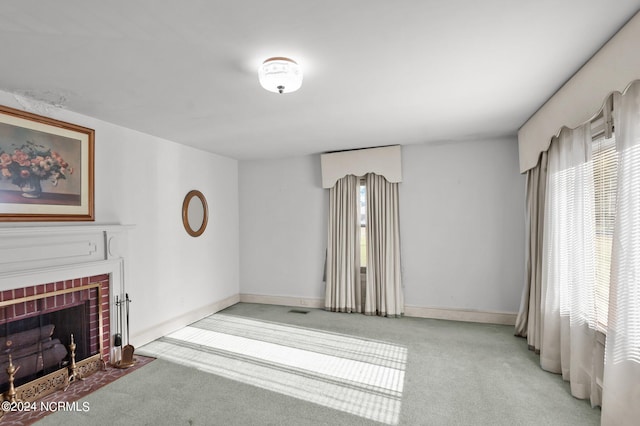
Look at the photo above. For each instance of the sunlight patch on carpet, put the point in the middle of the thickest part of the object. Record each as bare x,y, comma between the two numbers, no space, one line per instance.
358,376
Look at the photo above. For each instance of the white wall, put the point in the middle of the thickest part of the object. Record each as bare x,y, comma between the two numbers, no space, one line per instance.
142,180
461,211
283,216
462,226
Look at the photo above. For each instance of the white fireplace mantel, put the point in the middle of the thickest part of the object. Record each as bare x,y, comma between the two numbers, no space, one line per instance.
33,255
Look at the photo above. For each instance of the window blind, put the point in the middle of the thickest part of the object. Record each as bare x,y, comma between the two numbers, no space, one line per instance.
605,167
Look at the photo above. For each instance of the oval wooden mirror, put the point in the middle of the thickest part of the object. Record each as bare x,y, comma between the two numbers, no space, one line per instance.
195,213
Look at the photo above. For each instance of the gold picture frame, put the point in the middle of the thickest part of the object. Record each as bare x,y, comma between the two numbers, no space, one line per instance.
195,213
46,169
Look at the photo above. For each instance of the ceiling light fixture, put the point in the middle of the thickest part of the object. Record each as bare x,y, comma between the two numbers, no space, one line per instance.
280,75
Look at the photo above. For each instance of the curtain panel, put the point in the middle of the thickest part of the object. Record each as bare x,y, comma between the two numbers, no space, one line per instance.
568,341
343,292
529,320
384,295
621,394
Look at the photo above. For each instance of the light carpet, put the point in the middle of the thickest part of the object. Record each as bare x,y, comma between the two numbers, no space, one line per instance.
358,376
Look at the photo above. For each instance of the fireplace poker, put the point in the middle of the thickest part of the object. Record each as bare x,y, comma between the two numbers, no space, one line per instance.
128,301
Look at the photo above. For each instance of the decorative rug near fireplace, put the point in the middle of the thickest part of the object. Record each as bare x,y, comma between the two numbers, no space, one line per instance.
358,376
67,400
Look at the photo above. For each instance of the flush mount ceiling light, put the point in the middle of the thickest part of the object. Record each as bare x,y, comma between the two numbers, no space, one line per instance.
280,75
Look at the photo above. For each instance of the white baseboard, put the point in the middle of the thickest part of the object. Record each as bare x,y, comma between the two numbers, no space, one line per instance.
169,326
488,317
282,300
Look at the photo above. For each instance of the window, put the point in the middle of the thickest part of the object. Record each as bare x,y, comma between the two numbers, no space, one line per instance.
363,224
605,167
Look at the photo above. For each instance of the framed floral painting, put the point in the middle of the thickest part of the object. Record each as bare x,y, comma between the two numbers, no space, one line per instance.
46,169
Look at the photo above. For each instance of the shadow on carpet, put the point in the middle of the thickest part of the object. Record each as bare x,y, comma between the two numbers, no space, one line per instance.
358,376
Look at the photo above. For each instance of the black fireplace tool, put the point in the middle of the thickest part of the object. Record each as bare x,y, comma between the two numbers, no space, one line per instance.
117,338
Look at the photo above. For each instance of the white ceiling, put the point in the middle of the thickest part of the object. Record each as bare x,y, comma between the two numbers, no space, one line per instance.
377,72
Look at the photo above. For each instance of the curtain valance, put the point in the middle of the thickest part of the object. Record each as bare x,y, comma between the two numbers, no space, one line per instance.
610,70
385,161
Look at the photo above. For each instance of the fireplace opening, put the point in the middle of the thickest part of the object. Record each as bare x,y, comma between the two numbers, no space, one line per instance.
33,352
39,345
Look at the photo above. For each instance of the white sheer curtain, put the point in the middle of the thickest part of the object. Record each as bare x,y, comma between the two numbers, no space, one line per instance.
568,344
621,394
342,293
384,295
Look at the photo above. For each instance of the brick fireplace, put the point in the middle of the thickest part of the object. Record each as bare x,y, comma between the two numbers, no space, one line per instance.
69,275
79,307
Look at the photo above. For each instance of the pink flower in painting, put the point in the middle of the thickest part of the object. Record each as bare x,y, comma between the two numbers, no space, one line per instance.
6,172
5,160
24,174
21,158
